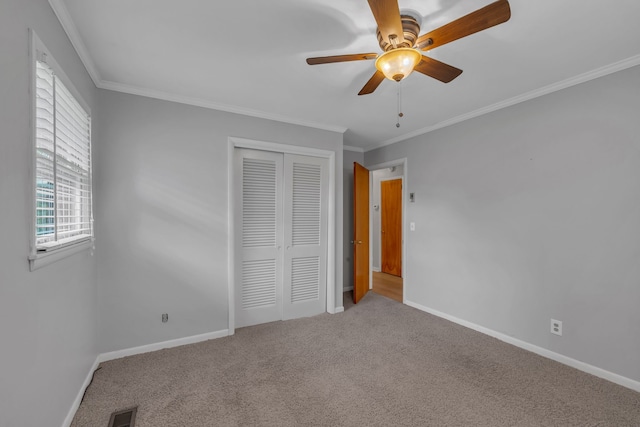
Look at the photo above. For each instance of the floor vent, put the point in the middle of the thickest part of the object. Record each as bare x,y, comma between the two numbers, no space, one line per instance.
126,418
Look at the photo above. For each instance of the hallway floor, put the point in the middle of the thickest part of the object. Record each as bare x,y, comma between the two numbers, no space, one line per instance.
387,285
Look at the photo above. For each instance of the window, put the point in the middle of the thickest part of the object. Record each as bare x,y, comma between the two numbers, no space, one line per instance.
62,160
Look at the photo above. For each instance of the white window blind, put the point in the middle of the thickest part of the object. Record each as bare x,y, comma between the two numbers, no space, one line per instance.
63,163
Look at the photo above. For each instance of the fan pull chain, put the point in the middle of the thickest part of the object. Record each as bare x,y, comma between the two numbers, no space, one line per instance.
400,114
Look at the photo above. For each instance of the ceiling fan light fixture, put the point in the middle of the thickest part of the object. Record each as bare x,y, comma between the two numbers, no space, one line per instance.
397,64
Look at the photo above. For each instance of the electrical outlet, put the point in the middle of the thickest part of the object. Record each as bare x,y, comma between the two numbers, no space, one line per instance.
165,317
556,327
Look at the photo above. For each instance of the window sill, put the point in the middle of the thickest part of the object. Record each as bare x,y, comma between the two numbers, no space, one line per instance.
42,259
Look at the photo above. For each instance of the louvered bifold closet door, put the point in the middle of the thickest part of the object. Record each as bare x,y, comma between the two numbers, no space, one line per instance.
305,216
259,262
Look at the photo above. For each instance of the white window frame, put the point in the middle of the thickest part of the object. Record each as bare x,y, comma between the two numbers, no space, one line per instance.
40,258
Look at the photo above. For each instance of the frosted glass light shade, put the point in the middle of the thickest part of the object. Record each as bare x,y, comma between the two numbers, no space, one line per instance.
396,64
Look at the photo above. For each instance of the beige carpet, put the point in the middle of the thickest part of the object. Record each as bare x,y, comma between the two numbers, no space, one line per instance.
379,363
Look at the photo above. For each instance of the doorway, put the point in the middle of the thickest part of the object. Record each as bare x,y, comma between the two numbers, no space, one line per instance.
387,229
367,223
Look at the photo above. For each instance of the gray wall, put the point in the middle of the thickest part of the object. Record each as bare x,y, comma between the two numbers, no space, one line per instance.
161,214
531,213
349,158
47,322
377,176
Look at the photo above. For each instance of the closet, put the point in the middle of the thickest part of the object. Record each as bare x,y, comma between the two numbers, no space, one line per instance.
280,255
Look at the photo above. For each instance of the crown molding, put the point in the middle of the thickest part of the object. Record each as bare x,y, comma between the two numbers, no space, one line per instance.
352,148
581,78
61,11
63,15
204,103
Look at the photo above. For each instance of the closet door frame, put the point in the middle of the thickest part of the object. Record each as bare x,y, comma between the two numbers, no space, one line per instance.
234,143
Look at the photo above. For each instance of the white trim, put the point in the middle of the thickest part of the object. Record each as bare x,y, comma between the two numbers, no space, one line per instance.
42,259
105,357
78,400
231,240
63,15
58,70
204,103
370,209
331,240
565,360
354,149
339,309
391,178
235,142
405,193
554,87
39,259
34,42
70,28
347,289
375,269
405,226
279,148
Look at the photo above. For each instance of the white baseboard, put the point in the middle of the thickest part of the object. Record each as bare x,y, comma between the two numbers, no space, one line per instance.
104,357
565,360
375,269
339,310
160,345
347,289
78,399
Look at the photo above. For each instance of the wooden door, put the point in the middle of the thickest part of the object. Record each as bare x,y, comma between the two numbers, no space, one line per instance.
360,232
391,226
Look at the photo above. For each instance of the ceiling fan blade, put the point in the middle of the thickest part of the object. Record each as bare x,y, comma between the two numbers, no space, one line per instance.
387,15
436,69
490,15
372,84
341,58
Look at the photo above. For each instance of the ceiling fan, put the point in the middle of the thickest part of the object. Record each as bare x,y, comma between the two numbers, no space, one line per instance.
398,38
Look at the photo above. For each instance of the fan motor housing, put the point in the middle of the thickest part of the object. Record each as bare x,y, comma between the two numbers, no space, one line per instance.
410,30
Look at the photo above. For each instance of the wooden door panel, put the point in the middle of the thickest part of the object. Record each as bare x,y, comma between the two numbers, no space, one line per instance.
361,232
391,226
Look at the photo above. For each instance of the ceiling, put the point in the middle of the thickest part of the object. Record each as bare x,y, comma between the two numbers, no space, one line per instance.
248,56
